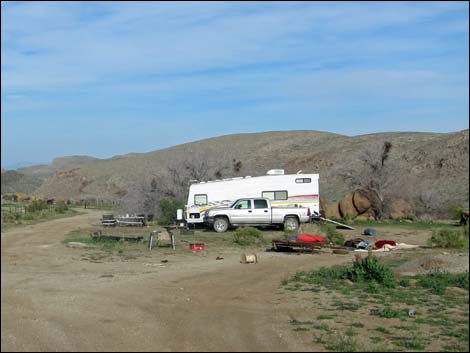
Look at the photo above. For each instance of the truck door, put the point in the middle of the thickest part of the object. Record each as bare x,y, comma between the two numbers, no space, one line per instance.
261,212
241,212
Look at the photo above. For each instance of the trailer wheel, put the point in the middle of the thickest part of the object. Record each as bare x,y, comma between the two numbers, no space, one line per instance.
291,224
220,225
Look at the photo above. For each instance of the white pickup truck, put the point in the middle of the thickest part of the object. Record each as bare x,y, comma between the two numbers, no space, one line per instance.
256,212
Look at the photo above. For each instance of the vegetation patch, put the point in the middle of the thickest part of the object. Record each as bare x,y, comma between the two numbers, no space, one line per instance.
424,302
247,236
438,281
450,238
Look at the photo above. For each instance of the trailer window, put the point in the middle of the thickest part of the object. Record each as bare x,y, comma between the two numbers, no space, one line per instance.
200,199
303,180
274,195
261,203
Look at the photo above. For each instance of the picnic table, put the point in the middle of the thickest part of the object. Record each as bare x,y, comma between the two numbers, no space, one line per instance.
130,221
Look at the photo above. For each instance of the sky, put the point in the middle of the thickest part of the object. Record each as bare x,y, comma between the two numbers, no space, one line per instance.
111,78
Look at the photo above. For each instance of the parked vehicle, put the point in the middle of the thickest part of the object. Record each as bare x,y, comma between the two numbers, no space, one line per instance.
280,189
256,212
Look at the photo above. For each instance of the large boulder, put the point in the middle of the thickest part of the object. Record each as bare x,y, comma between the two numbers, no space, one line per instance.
366,216
329,209
346,206
361,202
400,209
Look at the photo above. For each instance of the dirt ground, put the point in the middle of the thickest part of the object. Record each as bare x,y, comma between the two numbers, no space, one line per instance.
55,299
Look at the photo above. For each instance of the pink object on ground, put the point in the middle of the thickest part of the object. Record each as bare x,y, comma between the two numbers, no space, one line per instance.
310,238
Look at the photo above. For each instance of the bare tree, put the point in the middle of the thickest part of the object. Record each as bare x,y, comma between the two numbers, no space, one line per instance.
374,177
173,182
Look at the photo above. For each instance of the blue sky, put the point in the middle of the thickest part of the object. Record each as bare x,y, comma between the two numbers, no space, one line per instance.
109,78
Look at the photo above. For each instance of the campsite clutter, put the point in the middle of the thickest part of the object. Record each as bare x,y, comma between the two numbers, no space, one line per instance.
315,243
289,200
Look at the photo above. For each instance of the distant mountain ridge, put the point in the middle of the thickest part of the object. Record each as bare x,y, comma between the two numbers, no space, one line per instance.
44,170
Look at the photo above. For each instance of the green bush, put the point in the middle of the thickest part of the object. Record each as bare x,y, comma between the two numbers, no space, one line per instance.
438,281
168,209
247,236
332,235
36,205
449,238
28,216
61,207
11,217
370,269
457,213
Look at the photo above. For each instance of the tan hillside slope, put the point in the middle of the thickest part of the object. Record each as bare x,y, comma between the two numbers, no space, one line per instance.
68,162
420,163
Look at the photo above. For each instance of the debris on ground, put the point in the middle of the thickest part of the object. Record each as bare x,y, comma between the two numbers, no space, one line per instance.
75,244
100,236
369,231
249,259
388,247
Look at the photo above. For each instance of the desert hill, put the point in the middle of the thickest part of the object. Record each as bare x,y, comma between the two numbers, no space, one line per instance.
45,170
431,169
12,181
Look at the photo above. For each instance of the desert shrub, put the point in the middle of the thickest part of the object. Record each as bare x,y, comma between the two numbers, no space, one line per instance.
28,216
61,207
438,281
332,235
11,217
168,209
368,271
36,205
247,236
449,238
457,213
371,269
386,312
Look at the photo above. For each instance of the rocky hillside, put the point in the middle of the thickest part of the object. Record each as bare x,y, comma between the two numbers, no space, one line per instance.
429,170
13,181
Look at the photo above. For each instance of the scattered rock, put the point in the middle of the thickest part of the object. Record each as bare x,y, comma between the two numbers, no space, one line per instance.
411,312
400,209
219,258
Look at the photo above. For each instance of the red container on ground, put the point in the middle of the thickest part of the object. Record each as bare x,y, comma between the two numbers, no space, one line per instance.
196,246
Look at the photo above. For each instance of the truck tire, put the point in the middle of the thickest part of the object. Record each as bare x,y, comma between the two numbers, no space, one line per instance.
291,224
221,225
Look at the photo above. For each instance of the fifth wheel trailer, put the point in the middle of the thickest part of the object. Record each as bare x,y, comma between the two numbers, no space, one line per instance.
292,190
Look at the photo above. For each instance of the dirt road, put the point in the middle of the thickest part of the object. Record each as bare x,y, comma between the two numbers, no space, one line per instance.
53,300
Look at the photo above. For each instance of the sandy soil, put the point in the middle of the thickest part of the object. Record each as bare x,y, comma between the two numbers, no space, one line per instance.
53,299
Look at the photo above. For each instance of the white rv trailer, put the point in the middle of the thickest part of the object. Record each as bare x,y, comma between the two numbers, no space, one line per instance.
296,190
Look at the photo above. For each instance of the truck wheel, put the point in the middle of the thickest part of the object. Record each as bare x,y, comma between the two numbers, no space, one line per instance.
291,224
220,225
